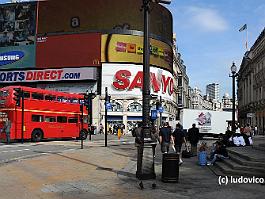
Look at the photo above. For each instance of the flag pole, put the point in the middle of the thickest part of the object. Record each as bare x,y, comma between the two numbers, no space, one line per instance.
247,39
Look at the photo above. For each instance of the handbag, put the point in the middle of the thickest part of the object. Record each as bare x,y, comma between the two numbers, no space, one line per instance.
186,153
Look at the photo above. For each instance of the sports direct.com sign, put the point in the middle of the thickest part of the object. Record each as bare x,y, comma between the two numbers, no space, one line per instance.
127,80
67,74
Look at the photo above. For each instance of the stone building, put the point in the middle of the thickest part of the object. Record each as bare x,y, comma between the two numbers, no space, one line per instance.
251,86
182,90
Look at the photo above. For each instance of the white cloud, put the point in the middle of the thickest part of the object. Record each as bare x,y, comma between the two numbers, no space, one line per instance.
206,19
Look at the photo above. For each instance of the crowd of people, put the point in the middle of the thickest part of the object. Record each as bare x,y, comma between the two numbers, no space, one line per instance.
242,136
172,140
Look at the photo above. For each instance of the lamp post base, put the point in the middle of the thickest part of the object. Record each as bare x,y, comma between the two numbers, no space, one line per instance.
145,161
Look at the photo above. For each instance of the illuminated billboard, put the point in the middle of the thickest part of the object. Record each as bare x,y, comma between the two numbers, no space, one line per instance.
73,50
127,80
129,49
102,16
17,35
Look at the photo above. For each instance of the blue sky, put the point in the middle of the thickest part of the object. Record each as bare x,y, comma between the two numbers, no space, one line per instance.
208,37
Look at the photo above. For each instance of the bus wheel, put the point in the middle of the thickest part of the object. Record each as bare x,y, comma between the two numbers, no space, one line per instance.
83,135
36,135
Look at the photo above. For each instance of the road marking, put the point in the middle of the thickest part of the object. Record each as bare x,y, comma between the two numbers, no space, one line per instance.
21,158
11,151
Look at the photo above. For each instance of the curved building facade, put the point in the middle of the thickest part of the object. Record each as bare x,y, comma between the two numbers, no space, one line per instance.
80,45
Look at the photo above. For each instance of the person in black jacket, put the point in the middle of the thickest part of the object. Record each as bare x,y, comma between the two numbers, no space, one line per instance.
193,137
179,139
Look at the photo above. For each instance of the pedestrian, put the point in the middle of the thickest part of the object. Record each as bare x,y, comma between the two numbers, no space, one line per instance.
165,137
6,129
193,137
246,134
219,153
154,133
101,128
255,132
178,139
139,141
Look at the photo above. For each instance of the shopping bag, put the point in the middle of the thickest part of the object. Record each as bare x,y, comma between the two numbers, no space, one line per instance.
186,153
202,158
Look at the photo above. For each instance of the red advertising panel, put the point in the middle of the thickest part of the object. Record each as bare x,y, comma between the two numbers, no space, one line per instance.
73,50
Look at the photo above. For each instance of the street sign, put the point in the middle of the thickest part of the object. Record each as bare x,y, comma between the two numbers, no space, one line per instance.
108,106
161,109
153,114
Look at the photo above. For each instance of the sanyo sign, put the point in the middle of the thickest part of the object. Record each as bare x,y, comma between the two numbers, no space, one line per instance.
127,80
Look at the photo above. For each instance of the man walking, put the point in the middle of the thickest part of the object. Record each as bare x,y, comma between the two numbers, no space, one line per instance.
179,139
165,137
193,136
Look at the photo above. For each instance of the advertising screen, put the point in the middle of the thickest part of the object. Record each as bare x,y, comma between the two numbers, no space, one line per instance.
102,16
129,48
17,35
127,80
68,50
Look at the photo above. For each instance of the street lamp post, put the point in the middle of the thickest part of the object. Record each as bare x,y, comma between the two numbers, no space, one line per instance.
145,161
234,75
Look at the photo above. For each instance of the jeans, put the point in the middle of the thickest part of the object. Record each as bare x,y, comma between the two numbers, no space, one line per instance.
8,138
165,147
217,156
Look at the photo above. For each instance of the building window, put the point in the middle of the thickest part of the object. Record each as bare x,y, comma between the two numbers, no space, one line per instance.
116,106
135,107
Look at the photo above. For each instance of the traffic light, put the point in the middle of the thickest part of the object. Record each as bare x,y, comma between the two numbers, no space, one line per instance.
87,101
17,95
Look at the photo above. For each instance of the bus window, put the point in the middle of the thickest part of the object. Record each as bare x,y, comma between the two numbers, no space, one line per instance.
4,93
50,119
38,96
50,97
61,99
61,119
26,94
72,120
73,100
37,118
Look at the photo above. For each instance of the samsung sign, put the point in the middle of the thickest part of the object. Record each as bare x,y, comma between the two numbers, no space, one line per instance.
10,57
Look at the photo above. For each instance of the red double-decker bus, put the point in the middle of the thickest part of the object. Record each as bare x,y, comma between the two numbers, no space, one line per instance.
47,114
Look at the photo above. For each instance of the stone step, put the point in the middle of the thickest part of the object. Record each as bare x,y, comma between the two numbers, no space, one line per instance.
260,147
242,161
248,153
236,166
225,169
